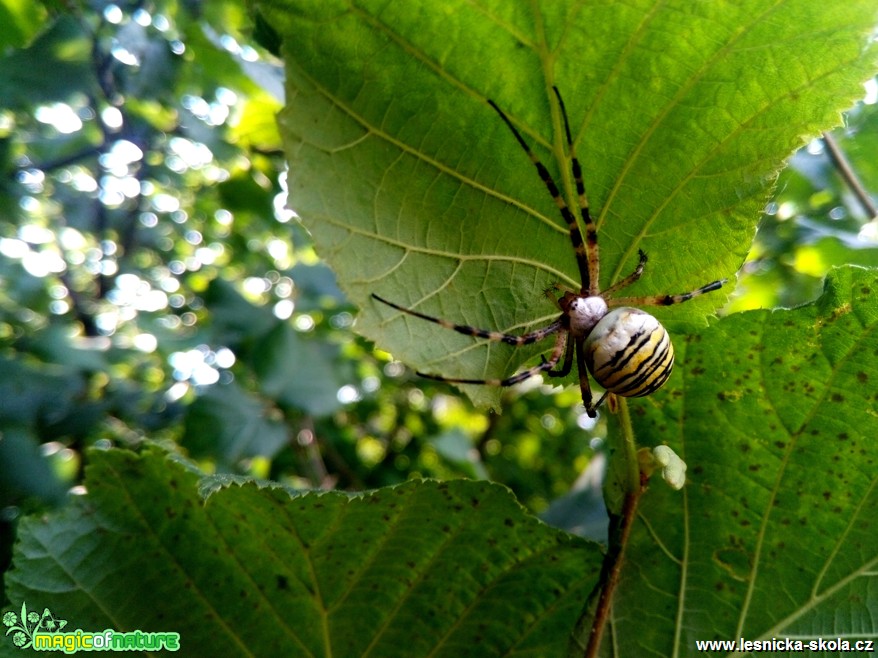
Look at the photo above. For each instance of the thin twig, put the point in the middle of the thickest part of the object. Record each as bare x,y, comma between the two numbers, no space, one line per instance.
849,175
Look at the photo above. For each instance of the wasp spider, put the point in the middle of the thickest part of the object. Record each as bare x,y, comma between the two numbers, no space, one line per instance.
626,350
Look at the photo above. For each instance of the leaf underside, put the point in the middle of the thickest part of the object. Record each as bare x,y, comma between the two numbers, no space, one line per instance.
414,189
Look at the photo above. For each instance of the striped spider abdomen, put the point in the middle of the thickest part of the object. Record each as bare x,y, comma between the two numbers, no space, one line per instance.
629,353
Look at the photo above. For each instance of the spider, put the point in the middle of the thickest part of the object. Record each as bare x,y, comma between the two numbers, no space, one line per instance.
626,350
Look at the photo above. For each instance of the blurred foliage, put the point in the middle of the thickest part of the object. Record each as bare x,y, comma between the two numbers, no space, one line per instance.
814,221
153,285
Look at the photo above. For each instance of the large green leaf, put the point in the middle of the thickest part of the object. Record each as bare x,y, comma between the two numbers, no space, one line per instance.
424,568
774,536
414,189
776,415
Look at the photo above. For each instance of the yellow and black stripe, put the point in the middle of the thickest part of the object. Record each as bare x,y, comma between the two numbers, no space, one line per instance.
629,353
496,336
546,366
659,300
591,285
579,248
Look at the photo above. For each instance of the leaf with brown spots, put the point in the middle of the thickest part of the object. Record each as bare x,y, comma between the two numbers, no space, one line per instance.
776,530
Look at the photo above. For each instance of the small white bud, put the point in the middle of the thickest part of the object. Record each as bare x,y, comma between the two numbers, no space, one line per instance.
673,468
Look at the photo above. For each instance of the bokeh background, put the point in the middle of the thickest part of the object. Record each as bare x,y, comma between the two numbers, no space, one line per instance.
155,285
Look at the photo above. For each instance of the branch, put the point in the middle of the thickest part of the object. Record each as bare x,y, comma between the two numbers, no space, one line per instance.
589,631
838,158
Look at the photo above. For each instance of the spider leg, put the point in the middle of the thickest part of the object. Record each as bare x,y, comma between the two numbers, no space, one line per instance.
591,231
666,300
500,337
550,291
545,366
575,234
584,386
599,402
628,280
566,366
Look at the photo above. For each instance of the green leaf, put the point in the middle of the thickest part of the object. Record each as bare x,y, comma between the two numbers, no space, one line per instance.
413,188
235,319
24,470
228,423
456,447
20,20
33,391
424,568
775,535
299,372
53,68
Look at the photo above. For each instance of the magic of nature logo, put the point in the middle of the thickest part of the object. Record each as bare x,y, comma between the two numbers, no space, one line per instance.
45,632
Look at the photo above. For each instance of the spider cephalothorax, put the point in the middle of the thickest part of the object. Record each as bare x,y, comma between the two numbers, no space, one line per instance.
626,350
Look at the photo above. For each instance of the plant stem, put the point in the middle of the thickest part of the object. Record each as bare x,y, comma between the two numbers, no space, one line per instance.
629,445
620,530
597,610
